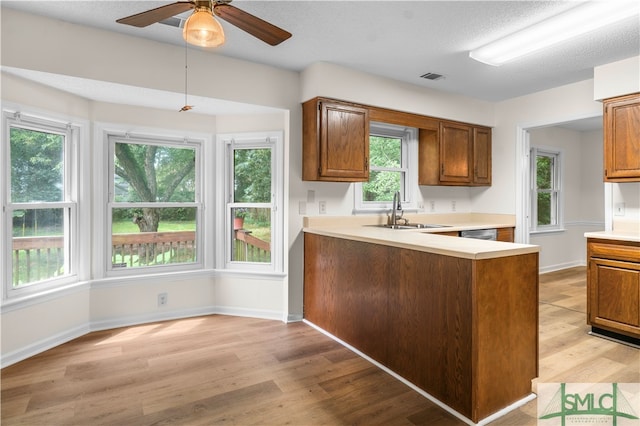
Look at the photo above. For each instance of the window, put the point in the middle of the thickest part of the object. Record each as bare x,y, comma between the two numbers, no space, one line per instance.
41,202
253,223
392,168
154,203
546,190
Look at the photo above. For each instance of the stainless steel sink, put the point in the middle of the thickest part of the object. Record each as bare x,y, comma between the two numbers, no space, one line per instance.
411,226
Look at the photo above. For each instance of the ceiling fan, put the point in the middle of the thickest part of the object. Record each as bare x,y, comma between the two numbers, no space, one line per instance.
202,29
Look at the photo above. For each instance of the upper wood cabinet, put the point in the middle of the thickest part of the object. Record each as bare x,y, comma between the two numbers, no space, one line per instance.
335,144
622,139
335,141
482,156
455,154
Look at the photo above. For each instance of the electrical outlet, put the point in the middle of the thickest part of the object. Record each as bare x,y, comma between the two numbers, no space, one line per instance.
162,299
453,205
432,206
619,209
322,207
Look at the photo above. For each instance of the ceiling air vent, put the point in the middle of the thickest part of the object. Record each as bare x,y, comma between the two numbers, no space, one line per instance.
173,22
432,76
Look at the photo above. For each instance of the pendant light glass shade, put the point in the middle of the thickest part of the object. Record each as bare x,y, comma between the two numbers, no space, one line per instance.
202,29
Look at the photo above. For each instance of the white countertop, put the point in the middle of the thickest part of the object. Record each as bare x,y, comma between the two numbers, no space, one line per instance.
622,235
427,240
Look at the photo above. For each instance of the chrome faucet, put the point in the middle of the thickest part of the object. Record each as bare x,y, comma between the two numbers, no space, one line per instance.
396,208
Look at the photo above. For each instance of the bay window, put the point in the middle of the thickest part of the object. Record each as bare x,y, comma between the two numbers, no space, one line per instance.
154,203
253,196
40,202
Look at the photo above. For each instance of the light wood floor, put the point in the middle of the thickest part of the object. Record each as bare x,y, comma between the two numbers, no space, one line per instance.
228,370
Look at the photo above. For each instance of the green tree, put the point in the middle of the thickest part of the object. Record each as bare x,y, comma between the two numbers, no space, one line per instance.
154,174
37,175
384,152
544,168
252,175
37,167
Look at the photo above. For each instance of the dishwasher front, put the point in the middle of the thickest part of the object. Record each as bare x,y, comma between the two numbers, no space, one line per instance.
480,234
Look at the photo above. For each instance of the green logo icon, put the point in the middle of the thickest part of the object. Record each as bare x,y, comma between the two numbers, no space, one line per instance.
588,404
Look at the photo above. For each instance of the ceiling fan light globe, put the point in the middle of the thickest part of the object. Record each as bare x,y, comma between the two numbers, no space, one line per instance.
202,29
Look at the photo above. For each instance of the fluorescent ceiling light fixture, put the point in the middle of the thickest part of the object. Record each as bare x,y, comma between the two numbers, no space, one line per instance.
572,23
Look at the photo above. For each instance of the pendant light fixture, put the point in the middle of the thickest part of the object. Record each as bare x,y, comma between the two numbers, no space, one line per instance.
202,28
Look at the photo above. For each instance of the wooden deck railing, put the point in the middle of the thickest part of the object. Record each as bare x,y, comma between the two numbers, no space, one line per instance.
39,258
248,248
153,248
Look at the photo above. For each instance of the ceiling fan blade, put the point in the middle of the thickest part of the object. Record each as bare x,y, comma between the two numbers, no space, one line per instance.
255,26
156,15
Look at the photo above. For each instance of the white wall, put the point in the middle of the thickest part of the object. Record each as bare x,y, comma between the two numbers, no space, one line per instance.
617,78
583,190
513,116
629,195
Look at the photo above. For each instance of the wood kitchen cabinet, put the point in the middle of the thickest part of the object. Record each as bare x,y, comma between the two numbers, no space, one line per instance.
506,234
463,330
335,141
622,139
456,154
613,286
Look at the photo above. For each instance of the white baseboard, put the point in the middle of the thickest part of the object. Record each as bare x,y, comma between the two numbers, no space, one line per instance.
43,345
149,318
250,313
561,266
294,318
107,324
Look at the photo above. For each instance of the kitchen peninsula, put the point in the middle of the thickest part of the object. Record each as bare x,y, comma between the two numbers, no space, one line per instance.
456,317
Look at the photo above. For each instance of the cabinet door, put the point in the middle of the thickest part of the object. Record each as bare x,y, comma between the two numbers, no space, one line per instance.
622,139
481,156
614,295
455,153
344,141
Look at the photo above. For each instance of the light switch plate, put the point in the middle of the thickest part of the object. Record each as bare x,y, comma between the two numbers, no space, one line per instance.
619,209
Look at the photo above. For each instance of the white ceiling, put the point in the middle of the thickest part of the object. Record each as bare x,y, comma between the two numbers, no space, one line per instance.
400,40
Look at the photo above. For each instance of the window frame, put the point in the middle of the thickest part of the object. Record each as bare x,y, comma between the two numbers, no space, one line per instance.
227,143
409,137
556,190
165,139
73,132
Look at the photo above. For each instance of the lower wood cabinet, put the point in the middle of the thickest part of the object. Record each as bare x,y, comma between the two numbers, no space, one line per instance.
506,235
613,286
464,330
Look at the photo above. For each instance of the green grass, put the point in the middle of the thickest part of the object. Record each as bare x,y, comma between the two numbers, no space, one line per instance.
128,227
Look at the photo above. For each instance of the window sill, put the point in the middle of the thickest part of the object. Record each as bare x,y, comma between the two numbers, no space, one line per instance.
547,231
259,275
